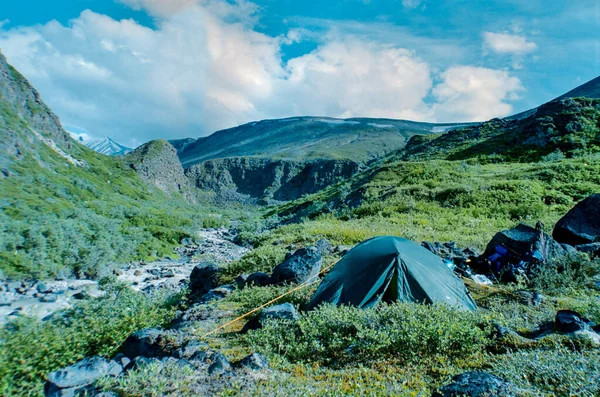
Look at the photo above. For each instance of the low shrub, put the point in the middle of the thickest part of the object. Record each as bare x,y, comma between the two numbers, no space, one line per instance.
559,372
32,348
404,332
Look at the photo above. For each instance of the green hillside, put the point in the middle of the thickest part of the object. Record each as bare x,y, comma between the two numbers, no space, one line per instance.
66,209
304,138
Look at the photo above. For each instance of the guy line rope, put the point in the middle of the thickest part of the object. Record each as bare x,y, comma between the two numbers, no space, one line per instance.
308,282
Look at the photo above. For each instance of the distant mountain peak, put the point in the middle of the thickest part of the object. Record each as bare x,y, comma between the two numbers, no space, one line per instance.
107,146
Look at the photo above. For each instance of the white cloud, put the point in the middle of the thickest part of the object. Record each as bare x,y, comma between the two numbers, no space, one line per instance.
350,78
208,68
507,44
411,3
469,93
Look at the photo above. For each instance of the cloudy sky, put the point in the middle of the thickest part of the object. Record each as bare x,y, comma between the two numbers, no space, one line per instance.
137,70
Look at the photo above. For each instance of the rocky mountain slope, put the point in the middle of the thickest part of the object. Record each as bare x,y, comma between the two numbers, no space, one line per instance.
566,127
157,164
260,180
107,146
302,138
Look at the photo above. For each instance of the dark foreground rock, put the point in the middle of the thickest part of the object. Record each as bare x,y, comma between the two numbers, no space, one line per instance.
581,225
204,277
476,384
80,376
304,265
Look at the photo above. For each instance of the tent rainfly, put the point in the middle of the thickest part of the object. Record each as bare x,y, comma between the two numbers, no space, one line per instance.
391,269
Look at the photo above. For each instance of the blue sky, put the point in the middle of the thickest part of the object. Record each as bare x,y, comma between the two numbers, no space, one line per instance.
143,69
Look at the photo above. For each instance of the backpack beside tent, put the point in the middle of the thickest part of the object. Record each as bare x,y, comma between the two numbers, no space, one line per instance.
391,269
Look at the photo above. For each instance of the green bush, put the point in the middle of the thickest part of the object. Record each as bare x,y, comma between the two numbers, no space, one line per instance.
32,348
406,332
559,372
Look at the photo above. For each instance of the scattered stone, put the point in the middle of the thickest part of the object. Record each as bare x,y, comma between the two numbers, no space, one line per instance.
284,311
568,321
255,362
581,225
80,376
6,299
304,265
122,359
219,365
258,279
218,293
190,349
482,279
81,295
530,298
140,362
147,342
49,298
168,273
138,273
324,247
240,281
204,277
476,384
592,248
42,288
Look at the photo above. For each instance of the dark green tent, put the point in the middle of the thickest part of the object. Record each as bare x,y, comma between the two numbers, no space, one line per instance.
391,269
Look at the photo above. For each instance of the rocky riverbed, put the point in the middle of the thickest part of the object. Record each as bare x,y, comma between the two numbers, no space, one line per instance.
41,298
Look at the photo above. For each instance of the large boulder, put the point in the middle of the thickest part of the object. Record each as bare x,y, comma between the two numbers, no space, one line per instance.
304,265
581,225
205,276
520,249
80,376
151,342
476,384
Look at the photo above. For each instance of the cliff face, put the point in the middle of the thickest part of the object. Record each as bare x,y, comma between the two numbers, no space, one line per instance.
158,165
252,179
18,99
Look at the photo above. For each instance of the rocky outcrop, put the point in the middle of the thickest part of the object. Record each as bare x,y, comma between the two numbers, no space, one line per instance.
158,165
19,98
253,179
581,225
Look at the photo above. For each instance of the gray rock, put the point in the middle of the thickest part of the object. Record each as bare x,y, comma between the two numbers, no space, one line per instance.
219,365
42,288
592,248
50,298
240,281
530,298
190,349
324,247
6,299
83,373
81,295
205,276
218,293
476,384
581,225
122,360
140,362
147,342
304,265
568,321
284,311
258,279
255,362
